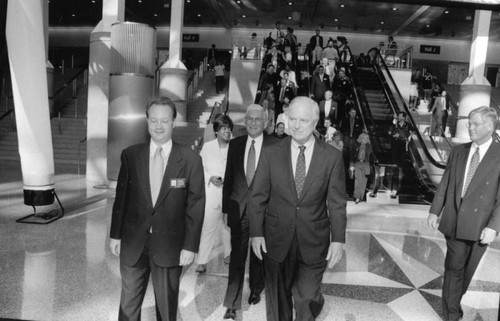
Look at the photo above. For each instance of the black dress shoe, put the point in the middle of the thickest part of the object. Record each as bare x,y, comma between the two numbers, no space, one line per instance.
230,314
254,298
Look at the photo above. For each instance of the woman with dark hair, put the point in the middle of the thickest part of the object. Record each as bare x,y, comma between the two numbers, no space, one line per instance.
214,157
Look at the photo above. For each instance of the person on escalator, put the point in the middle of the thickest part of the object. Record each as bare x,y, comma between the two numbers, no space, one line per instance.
439,112
359,166
400,136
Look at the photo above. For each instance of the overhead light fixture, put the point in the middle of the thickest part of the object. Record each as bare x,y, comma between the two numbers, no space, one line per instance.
381,22
428,26
188,1
342,5
290,3
446,11
238,1
156,15
73,15
198,15
335,19
140,1
395,9
289,18
243,15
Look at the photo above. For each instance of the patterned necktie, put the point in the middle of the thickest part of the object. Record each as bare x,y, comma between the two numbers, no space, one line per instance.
300,171
474,163
251,163
156,174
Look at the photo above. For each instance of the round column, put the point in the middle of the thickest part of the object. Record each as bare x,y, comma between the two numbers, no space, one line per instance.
131,86
173,84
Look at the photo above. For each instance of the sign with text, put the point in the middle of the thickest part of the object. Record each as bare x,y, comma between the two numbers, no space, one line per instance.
191,37
435,50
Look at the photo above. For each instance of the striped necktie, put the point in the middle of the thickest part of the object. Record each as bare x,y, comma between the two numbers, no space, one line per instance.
474,163
251,163
300,171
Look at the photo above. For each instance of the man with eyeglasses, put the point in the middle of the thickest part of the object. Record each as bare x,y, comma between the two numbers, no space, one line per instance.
157,215
242,163
466,207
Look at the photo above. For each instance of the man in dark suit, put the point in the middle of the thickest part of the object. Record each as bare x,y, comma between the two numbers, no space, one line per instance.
242,161
351,127
316,44
297,211
157,215
286,89
320,83
327,109
467,202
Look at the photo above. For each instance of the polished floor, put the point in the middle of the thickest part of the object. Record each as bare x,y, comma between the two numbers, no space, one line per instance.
391,270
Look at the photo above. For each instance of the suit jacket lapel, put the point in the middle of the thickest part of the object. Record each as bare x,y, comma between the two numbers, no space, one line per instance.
142,168
460,172
241,160
490,160
288,154
172,170
315,163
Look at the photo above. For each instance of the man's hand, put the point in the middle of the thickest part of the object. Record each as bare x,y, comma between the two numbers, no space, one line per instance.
258,246
115,245
187,257
487,235
217,181
334,253
432,221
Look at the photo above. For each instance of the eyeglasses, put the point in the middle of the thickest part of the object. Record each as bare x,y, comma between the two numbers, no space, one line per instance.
256,119
473,125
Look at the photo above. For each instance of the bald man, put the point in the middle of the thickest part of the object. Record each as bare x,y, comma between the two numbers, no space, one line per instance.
297,213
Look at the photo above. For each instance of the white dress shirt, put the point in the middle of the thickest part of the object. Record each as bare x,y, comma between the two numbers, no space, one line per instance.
308,152
328,106
258,148
483,148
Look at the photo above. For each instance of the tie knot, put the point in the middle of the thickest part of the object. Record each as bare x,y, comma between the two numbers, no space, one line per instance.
302,148
159,149
477,150
253,141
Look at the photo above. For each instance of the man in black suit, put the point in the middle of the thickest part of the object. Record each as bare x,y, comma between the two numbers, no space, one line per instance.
351,127
467,202
320,83
297,211
157,215
316,44
242,162
286,89
327,110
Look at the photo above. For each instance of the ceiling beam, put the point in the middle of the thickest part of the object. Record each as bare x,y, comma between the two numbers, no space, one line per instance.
219,14
410,19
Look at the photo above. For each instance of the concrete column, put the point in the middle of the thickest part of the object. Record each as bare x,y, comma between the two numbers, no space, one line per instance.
131,86
475,91
49,66
98,90
26,49
173,73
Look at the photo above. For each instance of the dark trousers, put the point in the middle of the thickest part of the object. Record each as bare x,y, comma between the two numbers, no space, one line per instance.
135,281
219,83
293,278
462,259
239,252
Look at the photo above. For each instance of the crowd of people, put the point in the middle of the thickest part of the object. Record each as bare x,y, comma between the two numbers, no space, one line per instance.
282,197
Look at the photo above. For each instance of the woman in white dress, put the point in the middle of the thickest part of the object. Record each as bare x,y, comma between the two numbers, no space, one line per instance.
214,157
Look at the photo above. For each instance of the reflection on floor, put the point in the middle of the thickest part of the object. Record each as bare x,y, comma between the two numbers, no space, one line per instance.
391,269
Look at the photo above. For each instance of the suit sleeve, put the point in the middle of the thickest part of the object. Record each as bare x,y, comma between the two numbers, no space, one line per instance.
120,205
440,195
195,204
259,195
228,179
337,201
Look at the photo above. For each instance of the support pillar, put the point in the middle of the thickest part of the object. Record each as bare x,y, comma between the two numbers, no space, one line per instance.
131,86
173,73
98,91
26,49
475,91
49,66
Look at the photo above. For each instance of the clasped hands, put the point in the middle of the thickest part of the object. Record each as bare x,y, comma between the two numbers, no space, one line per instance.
333,257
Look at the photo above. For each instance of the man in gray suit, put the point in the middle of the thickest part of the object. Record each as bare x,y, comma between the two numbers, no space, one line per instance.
467,202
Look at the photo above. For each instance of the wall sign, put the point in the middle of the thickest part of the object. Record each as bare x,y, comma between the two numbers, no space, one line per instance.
191,37
434,50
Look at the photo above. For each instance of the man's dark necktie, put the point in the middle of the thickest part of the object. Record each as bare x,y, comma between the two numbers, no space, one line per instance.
251,163
300,171
474,163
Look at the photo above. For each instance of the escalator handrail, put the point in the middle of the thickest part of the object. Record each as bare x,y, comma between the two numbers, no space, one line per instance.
410,117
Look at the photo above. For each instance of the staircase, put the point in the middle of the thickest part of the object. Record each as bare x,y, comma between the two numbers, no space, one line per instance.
198,111
374,92
69,153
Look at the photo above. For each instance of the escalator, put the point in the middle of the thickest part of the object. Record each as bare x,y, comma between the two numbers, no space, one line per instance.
414,177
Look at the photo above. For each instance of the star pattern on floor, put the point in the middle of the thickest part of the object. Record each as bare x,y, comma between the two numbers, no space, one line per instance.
401,273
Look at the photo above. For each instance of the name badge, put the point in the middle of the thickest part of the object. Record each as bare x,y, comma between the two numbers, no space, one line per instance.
178,183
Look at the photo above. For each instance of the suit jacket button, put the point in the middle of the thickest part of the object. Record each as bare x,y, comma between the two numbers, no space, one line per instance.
475,210
297,208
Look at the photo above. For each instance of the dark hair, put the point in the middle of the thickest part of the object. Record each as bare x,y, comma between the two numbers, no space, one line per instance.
163,101
221,121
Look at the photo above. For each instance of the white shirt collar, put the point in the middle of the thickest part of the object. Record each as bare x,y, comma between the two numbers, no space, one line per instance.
165,147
